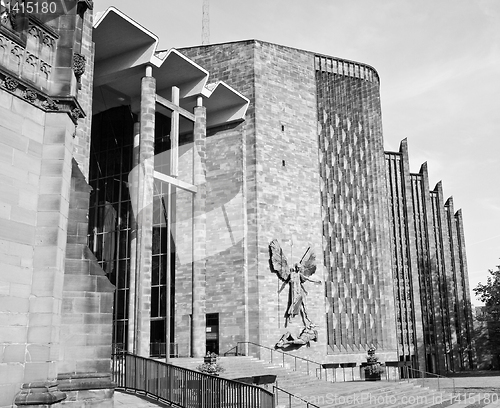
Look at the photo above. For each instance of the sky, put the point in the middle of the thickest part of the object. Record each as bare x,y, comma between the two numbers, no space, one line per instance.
439,65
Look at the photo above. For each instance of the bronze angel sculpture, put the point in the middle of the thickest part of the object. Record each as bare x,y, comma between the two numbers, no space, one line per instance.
295,278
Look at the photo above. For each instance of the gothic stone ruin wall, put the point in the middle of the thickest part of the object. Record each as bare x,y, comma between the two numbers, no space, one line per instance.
39,110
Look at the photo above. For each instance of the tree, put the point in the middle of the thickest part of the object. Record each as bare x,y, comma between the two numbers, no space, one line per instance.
489,293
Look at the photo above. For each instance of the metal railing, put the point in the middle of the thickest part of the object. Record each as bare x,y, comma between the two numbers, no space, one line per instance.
292,400
184,388
278,357
425,379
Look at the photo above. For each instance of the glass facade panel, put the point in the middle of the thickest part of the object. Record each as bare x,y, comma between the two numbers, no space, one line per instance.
112,223
110,215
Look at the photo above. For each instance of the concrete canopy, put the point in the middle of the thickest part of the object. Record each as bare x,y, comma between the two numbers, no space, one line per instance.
123,50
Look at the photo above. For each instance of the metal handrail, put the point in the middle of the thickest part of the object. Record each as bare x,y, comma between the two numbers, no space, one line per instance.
279,352
290,396
416,374
183,387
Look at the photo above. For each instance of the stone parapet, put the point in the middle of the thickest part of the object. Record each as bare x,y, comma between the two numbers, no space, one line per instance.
346,68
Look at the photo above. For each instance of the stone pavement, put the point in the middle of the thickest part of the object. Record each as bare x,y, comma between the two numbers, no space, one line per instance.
491,382
126,400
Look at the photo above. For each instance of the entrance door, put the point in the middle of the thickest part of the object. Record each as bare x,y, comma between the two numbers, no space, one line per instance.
213,333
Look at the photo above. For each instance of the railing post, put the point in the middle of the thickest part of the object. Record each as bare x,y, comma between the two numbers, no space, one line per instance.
203,393
158,386
239,399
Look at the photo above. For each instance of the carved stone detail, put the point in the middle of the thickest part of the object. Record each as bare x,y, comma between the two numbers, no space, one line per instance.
8,19
4,42
48,41
76,114
34,32
50,104
30,95
79,62
31,59
10,83
17,51
45,69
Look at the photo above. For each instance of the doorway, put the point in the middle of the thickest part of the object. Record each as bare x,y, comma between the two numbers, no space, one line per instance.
213,333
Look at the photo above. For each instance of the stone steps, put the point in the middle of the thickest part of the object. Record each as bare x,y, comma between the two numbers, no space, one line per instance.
328,394
373,394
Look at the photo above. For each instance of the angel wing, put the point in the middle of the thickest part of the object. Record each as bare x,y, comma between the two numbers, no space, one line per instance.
308,262
278,261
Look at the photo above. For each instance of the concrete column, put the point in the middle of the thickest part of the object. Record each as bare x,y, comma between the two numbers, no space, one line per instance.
431,269
472,357
413,258
446,271
198,327
145,214
133,248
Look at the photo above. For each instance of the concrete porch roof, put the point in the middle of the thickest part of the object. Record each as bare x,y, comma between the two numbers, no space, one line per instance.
123,49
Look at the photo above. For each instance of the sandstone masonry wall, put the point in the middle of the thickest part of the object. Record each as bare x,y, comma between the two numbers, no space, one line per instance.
280,186
21,143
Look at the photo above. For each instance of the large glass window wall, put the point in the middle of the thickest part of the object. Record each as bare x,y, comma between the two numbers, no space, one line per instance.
112,223
111,220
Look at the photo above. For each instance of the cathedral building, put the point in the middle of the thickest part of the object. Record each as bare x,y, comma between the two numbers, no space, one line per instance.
390,252
141,191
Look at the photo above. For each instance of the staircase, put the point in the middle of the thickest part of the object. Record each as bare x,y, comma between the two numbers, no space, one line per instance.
325,394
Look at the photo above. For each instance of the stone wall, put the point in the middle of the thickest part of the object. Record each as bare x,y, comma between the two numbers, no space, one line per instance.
288,182
81,147
230,166
36,175
272,163
38,113
87,310
21,142
226,268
